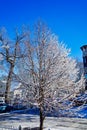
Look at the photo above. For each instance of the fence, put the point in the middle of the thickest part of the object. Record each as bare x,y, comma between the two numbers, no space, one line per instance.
7,127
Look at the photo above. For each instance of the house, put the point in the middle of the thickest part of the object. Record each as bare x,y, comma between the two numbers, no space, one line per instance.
19,95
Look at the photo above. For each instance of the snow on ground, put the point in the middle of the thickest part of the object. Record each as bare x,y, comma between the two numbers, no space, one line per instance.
51,123
30,118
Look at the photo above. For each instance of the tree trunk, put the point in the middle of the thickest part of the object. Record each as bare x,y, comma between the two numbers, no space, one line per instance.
41,119
8,85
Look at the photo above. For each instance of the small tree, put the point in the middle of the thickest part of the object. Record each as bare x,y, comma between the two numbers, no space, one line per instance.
48,73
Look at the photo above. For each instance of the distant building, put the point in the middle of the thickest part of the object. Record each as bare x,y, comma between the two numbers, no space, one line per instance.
2,88
2,91
19,95
84,50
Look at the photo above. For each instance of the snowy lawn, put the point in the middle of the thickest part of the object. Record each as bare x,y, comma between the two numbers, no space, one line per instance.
52,123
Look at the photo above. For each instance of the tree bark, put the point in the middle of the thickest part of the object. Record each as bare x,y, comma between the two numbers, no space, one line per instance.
41,119
8,85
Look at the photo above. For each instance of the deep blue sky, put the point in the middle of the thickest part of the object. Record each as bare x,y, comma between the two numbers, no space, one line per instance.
66,18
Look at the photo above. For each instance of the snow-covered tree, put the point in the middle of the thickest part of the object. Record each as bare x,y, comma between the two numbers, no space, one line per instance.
48,73
11,51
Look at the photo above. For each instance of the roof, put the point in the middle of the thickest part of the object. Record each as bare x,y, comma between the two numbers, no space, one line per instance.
84,46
